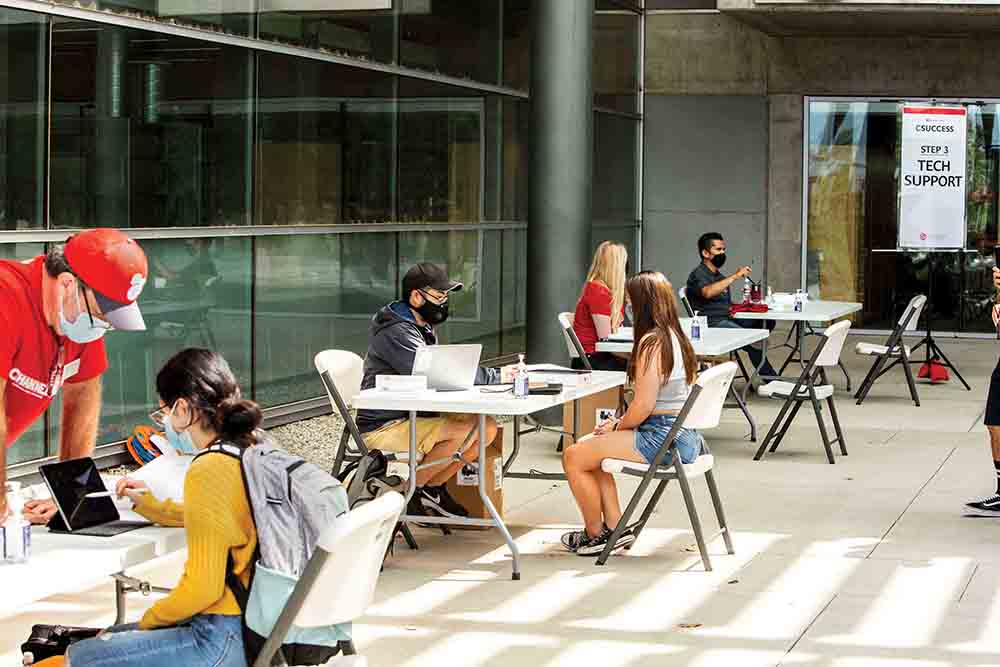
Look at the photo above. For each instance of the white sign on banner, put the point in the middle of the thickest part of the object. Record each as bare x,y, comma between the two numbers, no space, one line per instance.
932,178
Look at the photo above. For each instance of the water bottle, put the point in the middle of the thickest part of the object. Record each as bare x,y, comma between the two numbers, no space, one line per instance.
695,327
798,301
520,378
770,296
746,290
16,531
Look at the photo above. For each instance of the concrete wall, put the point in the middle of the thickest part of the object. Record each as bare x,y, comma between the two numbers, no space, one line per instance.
706,168
699,55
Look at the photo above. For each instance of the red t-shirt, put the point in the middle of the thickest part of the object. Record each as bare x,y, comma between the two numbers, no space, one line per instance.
595,300
29,349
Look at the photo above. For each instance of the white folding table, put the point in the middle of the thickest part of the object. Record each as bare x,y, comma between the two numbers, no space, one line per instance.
714,342
812,311
63,563
482,401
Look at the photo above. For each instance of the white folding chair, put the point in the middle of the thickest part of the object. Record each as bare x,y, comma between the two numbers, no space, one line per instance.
893,349
341,372
813,386
701,412
338,583
573,344
682,294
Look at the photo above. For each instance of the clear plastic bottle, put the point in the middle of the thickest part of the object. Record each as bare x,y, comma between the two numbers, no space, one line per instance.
521,378
770,296
746,290
696,327
798,301
16,531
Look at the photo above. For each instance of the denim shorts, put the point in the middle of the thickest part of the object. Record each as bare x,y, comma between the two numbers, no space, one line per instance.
653,432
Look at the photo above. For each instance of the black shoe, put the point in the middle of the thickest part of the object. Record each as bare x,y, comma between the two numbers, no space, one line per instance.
416,508
574,540
985,507
593,546
437,499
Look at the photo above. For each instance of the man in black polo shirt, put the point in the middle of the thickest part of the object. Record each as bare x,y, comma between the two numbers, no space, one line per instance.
708,293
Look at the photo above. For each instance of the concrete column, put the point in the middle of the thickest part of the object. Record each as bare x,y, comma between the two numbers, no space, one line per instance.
561,169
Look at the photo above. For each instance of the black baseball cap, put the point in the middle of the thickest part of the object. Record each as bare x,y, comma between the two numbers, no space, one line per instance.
426,274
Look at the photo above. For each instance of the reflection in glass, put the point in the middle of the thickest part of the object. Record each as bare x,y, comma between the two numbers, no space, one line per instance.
516,130
23,119
514,291
853,219
616,60
362,29
615,170
440,153
325,147
315,292
517,44
148,130
453,37
198,295
31,445
234,17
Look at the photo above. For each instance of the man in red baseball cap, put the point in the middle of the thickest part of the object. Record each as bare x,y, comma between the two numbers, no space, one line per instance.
54,312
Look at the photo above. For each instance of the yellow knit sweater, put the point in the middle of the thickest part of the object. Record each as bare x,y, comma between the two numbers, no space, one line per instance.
218,522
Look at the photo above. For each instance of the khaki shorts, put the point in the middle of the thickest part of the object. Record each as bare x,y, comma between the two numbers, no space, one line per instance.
395,436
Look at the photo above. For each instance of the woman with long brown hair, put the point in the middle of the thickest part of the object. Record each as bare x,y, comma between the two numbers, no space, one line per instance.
662,369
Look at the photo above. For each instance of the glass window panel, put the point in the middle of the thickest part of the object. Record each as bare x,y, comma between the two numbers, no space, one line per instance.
148,130
325,150
681,4
441,153
517,44
616,59
517,128
472,258
454,37
198,295
31,445
364,29
515,281
615,170
315,292
23,118
234,17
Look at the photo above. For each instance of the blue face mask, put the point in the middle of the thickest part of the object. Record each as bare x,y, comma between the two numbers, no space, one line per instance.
84,329
182,442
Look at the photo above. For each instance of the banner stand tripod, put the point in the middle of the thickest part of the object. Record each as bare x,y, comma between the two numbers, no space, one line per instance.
933,353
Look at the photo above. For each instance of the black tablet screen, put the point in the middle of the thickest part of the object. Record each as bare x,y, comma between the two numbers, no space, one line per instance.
70,482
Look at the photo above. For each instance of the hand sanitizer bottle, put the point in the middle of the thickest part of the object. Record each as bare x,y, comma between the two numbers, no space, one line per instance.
798,301
521,378
746,290
16,531
696,327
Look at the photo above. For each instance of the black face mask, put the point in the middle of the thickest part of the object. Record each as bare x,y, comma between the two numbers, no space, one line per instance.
719,260
433,313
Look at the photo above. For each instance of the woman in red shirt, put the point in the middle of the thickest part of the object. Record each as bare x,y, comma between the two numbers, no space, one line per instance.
602,295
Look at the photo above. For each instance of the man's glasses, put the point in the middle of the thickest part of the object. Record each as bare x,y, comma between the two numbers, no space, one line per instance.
439,300
95,322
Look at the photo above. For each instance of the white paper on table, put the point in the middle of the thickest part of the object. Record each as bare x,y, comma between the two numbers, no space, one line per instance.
540,368
165,476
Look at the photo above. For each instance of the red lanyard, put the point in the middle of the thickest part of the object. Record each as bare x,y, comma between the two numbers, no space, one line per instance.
55,376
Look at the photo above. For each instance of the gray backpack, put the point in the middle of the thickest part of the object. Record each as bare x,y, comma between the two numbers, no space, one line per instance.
292,502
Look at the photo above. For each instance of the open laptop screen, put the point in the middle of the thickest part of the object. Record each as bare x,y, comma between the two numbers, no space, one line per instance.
70,482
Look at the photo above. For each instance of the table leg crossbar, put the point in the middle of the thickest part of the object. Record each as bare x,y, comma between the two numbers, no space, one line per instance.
125,585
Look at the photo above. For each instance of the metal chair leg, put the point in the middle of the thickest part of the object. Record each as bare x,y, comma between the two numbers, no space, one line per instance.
818,409
338,461
650,507
836,426
784,429
626,515
909,379
695,521
771,432
713,491
873,374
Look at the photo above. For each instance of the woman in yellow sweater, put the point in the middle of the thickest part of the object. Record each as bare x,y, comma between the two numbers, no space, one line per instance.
199,623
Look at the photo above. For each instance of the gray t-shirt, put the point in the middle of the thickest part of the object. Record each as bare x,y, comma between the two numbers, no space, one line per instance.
714,309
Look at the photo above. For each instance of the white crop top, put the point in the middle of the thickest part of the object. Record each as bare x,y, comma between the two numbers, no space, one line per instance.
675,389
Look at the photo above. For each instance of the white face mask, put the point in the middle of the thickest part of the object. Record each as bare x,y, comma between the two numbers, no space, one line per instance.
84,329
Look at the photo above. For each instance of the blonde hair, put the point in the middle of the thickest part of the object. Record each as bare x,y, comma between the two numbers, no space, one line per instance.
608,268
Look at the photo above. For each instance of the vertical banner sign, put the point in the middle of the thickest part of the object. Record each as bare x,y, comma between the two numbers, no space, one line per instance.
932,178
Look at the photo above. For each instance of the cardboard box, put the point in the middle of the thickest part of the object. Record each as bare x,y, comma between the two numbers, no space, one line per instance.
464,487
592,409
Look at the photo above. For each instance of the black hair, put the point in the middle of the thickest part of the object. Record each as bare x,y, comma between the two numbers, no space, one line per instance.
55,262
706,239
204,379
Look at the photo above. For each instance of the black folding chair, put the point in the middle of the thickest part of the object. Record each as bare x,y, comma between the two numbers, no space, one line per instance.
893,350
701,411
812,386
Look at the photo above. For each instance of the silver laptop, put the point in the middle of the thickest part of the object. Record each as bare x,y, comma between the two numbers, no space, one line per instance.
448,367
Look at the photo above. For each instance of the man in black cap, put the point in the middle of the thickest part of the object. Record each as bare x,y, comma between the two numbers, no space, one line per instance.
397,331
